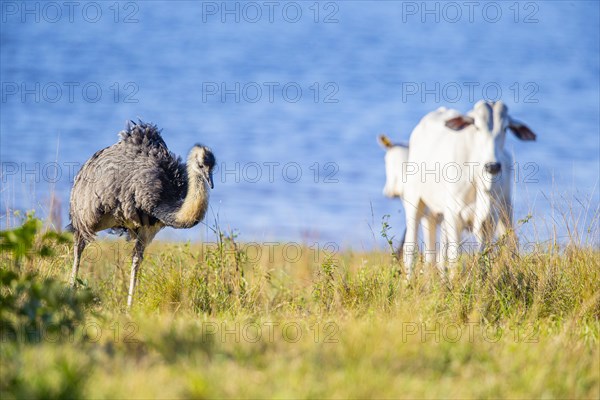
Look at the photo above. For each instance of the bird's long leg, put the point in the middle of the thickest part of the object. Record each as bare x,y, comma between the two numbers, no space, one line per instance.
143,237
79,245
138,255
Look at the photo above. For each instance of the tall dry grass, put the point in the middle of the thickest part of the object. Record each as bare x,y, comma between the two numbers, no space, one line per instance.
217,320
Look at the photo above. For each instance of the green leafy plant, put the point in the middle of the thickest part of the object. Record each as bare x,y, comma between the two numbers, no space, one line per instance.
25,242
385,229
31,306
324,286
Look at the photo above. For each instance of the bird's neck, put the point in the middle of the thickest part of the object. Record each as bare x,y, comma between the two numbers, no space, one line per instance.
194,206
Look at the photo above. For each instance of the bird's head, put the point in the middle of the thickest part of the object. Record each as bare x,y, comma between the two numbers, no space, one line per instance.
202,162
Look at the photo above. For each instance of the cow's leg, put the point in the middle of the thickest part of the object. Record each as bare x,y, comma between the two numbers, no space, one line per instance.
400,249
443,255
482,216
414,212
452,228
429,223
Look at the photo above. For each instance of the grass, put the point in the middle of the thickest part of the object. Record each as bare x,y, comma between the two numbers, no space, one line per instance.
229,319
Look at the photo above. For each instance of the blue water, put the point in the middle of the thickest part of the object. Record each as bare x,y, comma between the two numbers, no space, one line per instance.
364,68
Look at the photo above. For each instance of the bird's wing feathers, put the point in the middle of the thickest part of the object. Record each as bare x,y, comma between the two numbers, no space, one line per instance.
128,180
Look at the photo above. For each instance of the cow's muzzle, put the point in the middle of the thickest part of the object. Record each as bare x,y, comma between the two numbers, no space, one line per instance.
493,168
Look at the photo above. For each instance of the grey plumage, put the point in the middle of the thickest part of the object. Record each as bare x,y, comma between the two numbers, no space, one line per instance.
137,186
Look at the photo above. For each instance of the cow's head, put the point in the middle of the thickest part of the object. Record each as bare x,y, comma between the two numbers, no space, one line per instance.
484,142
395,157
489,121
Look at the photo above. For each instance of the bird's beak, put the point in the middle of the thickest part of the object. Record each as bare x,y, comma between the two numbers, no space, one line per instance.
209,179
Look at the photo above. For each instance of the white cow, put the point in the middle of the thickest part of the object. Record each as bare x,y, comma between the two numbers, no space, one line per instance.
455,170
396,159
396,165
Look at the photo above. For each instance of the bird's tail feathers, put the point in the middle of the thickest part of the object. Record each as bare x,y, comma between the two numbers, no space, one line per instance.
139,132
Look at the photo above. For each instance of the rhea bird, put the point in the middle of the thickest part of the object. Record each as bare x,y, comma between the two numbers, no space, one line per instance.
137,186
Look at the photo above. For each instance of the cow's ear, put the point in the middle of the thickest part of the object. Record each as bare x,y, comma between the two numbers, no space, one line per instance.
521,130
460,122
385,142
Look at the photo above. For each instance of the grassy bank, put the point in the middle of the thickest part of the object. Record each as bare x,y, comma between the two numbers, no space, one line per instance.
231,319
